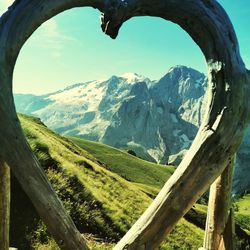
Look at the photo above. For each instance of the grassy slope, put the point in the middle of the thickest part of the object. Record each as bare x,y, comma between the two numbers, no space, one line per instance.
127,166
244,205
243,213
119,161
99,201
106,187
94,196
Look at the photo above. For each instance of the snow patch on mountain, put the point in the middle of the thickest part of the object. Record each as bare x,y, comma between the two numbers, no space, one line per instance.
156,119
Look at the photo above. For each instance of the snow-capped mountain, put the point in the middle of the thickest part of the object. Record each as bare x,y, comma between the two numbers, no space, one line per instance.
157,119
153,118
83,109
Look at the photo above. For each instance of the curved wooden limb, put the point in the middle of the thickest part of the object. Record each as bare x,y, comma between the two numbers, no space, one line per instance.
219,210
226,118
18,155
216,142
15,151
4,205
228,241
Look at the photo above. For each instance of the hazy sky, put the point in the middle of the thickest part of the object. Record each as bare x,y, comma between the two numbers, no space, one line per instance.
71,48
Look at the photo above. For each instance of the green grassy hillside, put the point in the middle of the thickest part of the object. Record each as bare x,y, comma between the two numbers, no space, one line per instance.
243,205
126,165
90,193
102,204
243,213
149,177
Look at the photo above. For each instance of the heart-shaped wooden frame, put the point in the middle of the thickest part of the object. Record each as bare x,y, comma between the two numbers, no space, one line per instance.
217,140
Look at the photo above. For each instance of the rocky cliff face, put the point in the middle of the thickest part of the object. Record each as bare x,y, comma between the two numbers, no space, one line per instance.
154,120
157,119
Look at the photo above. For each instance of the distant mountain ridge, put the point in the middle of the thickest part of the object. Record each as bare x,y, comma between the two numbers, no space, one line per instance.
156,119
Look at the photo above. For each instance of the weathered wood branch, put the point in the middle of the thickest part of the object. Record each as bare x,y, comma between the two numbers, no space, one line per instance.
19,157
228,241
226,118
4,205
216,142
218,209
22,19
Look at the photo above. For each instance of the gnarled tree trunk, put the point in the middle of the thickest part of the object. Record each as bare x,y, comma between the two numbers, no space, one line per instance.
16,25
219,210
228,241
4,205
226,118
213,148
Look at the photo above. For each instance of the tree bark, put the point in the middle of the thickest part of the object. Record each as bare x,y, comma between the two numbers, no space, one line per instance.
22,18
218,210
218,138
228,239
4,206
225,121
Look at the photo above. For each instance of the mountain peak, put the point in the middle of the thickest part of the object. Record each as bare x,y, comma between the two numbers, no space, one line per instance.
129,75
178,67
133,77
183,70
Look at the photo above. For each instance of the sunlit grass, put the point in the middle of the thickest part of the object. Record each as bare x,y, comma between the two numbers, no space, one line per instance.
99,201
243,205
127,166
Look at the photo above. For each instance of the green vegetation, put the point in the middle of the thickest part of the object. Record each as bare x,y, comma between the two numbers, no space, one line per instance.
99,201
243,212
126,165
243,205
184,236
102,204
93,243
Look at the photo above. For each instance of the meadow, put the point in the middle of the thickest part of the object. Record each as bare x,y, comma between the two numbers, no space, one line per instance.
104,190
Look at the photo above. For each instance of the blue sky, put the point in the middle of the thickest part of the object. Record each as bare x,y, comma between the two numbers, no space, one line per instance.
71,48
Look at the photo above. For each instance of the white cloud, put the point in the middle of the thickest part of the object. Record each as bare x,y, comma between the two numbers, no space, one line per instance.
50,29
4,4
49,37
